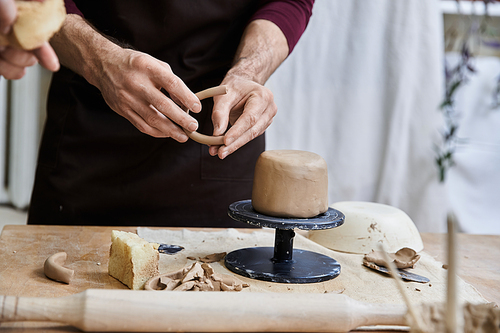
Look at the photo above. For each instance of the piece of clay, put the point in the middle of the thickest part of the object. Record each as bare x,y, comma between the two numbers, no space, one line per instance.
197,277
201,138
404,258
290,183
54,270
477,318
36,23
213,257
196,272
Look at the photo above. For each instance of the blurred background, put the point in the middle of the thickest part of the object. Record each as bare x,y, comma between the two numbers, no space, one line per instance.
401,98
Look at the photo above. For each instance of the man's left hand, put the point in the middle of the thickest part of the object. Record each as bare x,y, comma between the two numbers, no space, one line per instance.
248,106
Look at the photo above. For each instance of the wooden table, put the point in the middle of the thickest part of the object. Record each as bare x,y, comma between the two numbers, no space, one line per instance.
23,250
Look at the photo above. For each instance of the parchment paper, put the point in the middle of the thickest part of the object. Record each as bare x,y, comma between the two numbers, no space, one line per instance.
355,280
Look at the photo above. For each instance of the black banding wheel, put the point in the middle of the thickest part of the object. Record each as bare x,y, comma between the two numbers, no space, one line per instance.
283,263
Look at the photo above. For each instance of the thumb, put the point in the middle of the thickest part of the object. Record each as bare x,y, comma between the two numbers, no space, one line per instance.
220,113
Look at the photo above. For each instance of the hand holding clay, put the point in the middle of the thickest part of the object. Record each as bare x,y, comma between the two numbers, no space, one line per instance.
20,47
248,106
130,82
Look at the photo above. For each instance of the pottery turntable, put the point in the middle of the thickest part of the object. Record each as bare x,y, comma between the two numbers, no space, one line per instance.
290,192
283,263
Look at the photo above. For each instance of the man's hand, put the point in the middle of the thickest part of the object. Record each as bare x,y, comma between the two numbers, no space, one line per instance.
130,81
248,105
14,61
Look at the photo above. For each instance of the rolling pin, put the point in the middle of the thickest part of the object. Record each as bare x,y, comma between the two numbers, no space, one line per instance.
152,311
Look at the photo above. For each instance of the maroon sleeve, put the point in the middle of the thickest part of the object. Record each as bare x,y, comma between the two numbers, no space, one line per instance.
71,8
291,16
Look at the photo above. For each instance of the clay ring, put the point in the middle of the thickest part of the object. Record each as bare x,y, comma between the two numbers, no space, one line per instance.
202,138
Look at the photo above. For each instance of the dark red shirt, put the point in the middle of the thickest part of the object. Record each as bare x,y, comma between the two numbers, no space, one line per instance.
291,16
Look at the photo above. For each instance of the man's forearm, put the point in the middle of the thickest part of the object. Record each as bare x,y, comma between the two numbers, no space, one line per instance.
79,47
262,49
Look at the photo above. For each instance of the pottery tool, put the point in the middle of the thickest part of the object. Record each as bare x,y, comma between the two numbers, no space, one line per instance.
107,310
283,263
411,309
405,275
453,311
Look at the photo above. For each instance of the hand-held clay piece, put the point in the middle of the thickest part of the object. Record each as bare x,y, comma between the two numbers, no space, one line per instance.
290,183
36,23
54,270
403,258
201,138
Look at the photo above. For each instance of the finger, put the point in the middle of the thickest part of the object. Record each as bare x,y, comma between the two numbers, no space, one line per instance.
255,110
213,150
220,113
11,72
171,110
47,57
176,87
17,57
8,13
155,119
246,137
142,125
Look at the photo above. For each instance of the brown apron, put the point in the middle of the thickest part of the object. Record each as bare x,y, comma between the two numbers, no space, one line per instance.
96,168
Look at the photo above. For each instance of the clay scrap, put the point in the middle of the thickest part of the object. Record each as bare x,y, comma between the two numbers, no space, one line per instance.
197,277
478,318
404,258
54,270
215,257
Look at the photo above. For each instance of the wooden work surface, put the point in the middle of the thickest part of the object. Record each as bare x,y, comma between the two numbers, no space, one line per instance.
23,250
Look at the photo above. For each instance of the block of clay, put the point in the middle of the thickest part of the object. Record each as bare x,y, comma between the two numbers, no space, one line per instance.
290,183
36,23
132,260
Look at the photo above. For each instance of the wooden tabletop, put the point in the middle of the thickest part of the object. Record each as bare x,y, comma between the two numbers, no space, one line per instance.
23,250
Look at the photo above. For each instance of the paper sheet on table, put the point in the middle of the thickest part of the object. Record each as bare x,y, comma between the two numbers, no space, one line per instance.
355,280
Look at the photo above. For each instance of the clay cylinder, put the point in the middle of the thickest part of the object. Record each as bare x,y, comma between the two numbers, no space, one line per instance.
290,183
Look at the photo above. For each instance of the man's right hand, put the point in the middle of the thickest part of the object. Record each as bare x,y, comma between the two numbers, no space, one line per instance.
14,61
130,81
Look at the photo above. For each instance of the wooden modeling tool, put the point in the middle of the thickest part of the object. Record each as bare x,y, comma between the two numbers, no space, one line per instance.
453,313
108,310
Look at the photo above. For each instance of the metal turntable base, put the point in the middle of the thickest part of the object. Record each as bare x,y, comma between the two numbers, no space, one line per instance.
283,264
